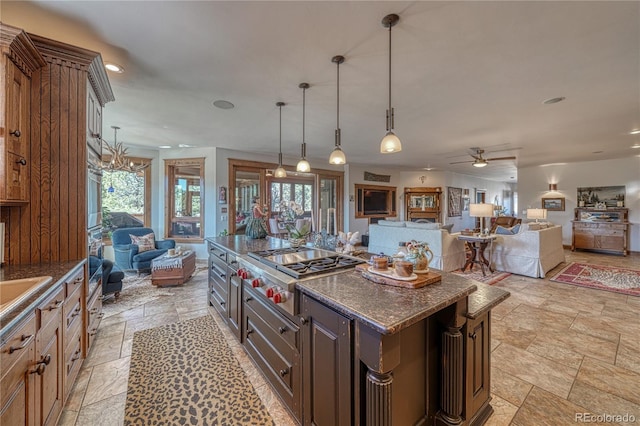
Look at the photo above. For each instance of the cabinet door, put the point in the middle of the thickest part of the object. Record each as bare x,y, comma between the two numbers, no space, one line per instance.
17,402
16,149
326,365
235,305
478,356
94,120
49,359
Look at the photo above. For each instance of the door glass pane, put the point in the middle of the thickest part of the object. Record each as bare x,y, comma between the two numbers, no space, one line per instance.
247,187
328,201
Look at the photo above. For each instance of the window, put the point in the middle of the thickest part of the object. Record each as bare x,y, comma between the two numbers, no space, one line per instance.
184,199
288,190
126,199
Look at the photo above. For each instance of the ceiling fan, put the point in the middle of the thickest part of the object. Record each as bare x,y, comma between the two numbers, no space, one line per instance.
480,161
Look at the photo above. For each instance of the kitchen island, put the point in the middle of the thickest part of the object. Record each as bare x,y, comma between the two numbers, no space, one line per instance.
339,349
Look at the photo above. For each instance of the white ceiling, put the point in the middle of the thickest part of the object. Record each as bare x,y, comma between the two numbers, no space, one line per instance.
465,74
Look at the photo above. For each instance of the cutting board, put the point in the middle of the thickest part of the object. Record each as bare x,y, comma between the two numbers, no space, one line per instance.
422,280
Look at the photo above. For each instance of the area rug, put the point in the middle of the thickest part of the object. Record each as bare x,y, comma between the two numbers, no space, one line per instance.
185,374
490,278
609,278
137,290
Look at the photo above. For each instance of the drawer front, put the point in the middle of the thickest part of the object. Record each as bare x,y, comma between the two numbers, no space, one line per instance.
50,309
95,316
282,332
281,369
74,283
217,269
72,314
217,300
232,261
17,355
73,361
217,252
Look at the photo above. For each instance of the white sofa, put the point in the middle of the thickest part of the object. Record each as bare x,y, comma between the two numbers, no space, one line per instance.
448,252
529,252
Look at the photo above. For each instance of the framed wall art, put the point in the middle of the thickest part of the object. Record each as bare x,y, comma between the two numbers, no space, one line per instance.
553,204
222,195
454,200
612,196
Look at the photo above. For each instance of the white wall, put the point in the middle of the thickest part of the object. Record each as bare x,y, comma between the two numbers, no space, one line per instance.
533,184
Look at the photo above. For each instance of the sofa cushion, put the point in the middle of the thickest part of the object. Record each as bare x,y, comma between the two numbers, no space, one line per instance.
145,242
399,224
430,225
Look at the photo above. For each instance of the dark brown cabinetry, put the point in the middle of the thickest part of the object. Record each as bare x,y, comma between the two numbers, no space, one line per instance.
72,310
422,203
605,230
49,359
19,60
326,360
17,384
234,306
273,342
218,285
478,369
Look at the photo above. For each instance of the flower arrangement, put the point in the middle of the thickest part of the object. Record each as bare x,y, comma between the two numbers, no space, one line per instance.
289,212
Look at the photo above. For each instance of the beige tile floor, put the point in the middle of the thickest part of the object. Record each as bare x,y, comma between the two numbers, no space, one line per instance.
558,350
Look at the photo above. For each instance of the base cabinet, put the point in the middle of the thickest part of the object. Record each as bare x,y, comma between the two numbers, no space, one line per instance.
326,365
604,230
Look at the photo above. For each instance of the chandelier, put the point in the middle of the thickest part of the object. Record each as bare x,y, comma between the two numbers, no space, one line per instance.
119,160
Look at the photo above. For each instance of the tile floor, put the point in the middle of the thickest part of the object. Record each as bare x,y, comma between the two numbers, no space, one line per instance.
558,350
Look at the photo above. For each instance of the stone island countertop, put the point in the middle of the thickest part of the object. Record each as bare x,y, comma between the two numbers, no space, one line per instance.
384,308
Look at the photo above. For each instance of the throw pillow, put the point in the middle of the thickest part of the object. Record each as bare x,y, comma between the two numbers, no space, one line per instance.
144,242
501,230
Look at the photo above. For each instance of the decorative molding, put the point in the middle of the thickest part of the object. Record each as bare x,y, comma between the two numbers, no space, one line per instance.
372,177
17,45
100,81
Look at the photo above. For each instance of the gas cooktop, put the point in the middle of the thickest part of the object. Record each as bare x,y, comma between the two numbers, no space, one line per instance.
302,262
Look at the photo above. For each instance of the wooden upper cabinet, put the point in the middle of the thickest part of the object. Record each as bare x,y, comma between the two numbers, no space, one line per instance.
19,60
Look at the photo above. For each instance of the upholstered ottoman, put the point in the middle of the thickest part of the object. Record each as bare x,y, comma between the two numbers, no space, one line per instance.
112,277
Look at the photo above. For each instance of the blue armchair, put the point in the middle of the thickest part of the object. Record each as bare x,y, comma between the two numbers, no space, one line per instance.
127,255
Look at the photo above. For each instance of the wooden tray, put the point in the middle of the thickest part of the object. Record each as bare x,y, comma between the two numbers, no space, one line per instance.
422,280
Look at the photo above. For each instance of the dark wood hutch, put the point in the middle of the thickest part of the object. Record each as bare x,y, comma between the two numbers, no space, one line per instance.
602,230
422,203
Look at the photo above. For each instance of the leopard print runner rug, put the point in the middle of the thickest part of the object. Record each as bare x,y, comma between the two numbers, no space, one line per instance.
185,374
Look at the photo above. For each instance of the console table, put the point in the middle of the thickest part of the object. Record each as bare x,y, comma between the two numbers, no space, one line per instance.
478,245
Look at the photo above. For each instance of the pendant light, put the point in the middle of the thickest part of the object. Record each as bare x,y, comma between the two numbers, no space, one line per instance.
280,172
337,155
303,164
390,143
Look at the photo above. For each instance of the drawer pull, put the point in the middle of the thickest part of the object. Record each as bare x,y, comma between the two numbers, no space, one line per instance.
234,262
94,310
248,299
221,255
39,369
249,331
55,305
101,315
47,359
93,332
284,372
76,356
15,133
75,313
473,335
282,330
22,162
25,339
303,320
222,303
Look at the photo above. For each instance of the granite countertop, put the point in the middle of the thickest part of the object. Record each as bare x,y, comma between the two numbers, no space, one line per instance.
385,308
484,299
57,270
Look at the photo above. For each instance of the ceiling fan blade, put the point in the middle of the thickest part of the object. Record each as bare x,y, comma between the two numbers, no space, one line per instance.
500,158
462,162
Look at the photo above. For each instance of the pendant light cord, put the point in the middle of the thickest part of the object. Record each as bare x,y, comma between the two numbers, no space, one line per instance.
280,106
390,111
304,103
338,98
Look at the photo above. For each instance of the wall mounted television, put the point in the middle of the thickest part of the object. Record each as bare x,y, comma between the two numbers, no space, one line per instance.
375,201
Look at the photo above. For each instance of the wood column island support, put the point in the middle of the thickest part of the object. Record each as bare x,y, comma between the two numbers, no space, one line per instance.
360,353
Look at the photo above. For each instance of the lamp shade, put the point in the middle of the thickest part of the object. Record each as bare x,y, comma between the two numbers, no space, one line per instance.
536,214
337,156
481,210
390,143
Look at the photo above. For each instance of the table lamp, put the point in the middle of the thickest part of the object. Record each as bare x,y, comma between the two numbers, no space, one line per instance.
536,214
481,210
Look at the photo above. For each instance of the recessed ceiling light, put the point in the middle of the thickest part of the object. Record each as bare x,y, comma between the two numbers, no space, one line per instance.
428,168
635,132
635,146
554,100
114,67
223,104
164,146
